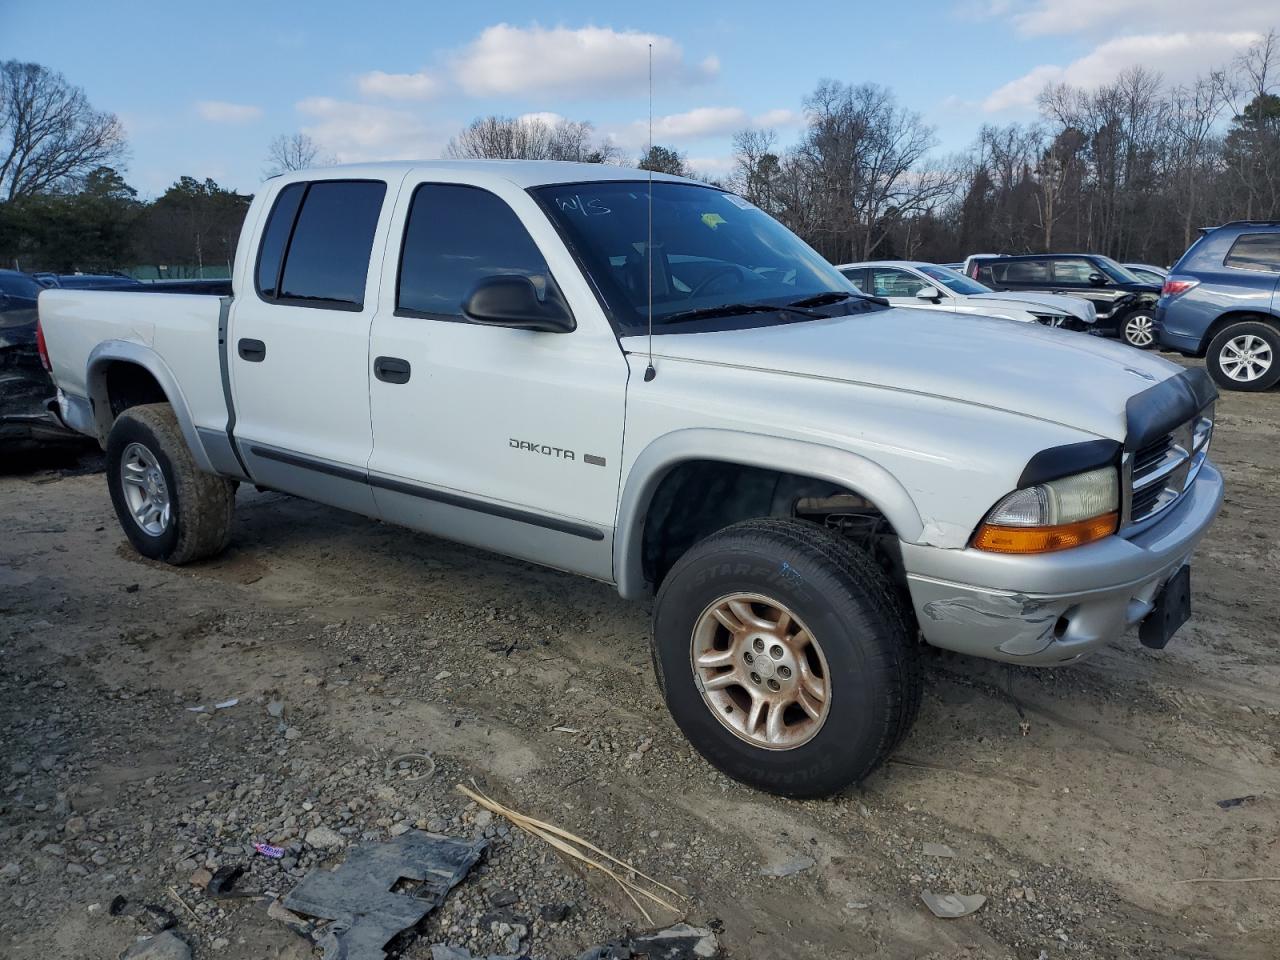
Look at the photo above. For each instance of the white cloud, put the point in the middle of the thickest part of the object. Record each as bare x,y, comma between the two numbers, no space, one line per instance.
1178,56
398,86
506,60
710,167
220,111
1037,18
697,124
778,118
355,132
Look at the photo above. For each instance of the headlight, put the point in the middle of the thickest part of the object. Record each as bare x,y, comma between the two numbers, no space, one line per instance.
1056,515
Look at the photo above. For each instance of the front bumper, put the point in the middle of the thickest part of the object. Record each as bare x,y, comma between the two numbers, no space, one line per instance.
1054,608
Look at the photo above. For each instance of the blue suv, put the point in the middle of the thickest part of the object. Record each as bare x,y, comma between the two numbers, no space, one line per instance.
1221,302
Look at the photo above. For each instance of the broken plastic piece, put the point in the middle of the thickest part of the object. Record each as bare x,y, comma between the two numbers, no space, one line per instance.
680,942
358,897
950,906
1237,801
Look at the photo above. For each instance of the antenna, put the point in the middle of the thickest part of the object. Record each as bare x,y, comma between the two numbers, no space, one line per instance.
649,372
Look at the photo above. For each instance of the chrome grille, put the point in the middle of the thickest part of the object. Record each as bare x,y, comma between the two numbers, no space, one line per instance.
1163,470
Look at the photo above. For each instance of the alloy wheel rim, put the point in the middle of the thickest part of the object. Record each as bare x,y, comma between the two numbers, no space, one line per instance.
1140,331
760,671
1245,358
145,491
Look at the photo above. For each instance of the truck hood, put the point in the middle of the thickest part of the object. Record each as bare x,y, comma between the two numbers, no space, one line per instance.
1076,307
1073,379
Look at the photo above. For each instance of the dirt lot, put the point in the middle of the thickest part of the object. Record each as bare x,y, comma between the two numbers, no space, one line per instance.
1076,800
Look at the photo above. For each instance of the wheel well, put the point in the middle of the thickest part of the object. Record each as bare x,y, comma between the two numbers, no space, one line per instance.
699,497
1238,316
129,385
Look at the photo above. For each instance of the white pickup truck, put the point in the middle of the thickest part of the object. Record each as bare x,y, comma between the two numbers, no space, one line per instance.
462,348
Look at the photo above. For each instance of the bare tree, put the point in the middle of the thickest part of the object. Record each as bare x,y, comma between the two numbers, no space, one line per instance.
289,152
530,138
50,135
757,167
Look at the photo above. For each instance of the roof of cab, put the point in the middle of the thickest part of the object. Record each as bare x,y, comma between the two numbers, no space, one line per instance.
522,173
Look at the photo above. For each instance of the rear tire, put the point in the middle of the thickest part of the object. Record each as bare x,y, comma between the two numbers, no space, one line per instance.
1245,356
169,509
718,613
1139,329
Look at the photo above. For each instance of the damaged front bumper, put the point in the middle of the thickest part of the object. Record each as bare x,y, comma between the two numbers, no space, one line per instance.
1054,608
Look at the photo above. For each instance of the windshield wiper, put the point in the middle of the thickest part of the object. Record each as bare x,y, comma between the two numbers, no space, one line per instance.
822,299
737,309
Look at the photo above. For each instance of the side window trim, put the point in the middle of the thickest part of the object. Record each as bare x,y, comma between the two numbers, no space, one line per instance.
414,314
343,306
284,249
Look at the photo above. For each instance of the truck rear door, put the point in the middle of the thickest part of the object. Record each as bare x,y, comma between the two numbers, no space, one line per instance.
298,343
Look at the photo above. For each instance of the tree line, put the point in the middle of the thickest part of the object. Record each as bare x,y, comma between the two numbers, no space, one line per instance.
1130,169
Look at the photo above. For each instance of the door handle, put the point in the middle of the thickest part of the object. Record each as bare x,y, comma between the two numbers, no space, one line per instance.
391,369
255,351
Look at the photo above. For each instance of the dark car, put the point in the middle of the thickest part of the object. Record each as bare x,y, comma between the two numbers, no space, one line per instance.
94,281
25,385
1125,303
1221,302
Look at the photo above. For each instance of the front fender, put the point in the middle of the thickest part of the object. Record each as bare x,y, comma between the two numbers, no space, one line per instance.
124,351
856,473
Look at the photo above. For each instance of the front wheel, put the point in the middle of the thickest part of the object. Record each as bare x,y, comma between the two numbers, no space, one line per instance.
170,509
785,657
1245,356
1139,329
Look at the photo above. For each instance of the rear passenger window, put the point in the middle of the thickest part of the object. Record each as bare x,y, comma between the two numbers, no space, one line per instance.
455,236
318,241
857,278
1255,251
1026,271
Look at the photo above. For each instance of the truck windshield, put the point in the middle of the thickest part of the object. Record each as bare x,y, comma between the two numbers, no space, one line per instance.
711,249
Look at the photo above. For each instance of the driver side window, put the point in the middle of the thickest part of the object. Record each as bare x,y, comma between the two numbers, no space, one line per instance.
890,282
454,237
1073,270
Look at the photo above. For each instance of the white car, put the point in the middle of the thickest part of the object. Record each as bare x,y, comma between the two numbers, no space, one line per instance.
908,283
650,382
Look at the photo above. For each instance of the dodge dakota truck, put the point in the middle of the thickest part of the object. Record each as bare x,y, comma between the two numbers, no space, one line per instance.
651,382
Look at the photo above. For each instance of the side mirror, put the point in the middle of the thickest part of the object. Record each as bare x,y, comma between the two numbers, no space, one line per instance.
930,293
1097,279
511,300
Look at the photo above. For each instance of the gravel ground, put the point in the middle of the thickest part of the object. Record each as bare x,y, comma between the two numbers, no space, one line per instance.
1074,800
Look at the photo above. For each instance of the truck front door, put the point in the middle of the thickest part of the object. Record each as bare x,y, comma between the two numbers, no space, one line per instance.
504,438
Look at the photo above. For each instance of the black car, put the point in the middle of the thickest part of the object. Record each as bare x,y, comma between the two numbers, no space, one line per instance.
1125,302
25,386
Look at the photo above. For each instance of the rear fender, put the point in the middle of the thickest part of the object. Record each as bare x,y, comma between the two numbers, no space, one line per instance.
124,351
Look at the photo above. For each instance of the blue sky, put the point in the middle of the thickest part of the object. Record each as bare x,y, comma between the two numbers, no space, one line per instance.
203,89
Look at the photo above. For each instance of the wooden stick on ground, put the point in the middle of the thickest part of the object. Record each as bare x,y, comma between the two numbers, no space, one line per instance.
573,845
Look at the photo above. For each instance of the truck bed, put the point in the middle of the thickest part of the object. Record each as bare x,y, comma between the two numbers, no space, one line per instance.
181,328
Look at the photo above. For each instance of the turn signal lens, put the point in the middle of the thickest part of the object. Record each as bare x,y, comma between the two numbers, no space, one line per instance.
1063,536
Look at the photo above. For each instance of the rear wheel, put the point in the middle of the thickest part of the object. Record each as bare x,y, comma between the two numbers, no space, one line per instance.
169,509
1139,329
784,655
1245,356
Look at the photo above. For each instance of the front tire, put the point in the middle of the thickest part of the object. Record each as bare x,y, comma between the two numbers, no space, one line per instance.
1139,329
169,509
785,657
1245,356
